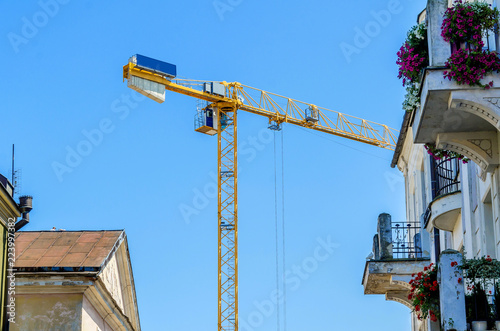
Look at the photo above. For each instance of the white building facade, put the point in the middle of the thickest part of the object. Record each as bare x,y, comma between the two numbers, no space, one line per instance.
450,205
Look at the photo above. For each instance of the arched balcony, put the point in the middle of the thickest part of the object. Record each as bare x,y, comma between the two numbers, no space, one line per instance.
444,210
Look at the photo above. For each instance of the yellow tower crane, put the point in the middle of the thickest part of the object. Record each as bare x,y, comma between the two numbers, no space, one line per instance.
218,115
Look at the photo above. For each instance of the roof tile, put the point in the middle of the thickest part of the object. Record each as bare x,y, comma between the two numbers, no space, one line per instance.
32,253
64,248
57,251
90,237
28,237
50,234
72,260
42,243
85,247
25,263
47,261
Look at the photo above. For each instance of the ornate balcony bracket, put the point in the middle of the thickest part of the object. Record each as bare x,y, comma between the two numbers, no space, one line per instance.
400,297
480,147
481,103
401,281
391,278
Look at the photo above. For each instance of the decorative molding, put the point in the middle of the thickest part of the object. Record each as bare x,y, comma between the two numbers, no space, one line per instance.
393,297
493,100
401,283
480,147
466,152
484,144
482,103
478,111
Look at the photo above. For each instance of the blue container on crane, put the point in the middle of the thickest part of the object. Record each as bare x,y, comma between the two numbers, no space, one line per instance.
160,67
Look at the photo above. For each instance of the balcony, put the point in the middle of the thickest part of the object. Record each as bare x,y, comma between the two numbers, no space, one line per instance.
444,210
399,250
460,118
455,117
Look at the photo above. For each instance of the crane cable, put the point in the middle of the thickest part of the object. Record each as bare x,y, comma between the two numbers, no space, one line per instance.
276,234
282,230
283,226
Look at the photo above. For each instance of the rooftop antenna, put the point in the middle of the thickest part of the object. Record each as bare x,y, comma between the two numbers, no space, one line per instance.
16,175
13,172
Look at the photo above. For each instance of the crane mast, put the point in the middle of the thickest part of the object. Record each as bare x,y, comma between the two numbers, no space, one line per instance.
223,100
227,216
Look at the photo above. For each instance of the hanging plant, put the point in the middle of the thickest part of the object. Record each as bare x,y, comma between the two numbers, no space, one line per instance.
412,56
470,67
484,268
412,97
441,154
424,293
468,22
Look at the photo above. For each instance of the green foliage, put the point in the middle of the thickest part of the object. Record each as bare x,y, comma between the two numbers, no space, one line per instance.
441,154
413,55
484,268
424,293
482,274
468,22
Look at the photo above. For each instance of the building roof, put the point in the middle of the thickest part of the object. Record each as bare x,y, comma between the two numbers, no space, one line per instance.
401,139
65,250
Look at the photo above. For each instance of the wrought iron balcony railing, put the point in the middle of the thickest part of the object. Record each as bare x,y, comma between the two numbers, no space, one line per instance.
445,176
406,240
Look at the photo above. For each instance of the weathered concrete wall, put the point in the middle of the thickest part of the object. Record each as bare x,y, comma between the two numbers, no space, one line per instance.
111,279
48,312
439,50
451,291
91,320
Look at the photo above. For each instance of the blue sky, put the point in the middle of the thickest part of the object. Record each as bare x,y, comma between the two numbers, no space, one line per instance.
132,163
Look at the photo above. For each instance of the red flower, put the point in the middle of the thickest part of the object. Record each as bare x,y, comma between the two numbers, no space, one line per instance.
460,280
